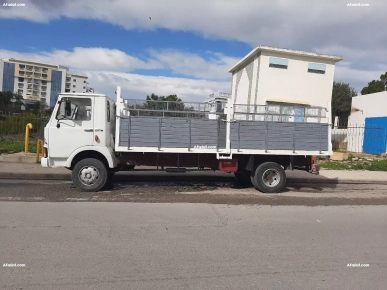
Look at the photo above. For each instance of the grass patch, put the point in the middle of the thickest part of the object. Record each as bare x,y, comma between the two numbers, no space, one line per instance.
374,165
16,146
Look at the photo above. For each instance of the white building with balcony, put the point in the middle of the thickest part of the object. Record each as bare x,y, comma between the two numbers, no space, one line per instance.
38,81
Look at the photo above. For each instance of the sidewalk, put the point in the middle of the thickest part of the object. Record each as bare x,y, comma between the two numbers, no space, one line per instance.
33,171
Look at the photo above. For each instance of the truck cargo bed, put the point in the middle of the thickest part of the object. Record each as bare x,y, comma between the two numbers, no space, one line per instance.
152,129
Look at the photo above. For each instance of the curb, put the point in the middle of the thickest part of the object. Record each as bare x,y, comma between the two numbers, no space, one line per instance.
128,178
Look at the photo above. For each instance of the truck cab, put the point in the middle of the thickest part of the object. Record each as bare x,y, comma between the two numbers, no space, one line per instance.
81,126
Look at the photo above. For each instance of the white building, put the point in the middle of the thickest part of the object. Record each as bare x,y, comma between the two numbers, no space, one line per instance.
367,132
275,76
76,83
38,81
217,103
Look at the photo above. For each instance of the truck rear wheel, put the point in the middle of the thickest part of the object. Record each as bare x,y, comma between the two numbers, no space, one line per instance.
89,175
269,177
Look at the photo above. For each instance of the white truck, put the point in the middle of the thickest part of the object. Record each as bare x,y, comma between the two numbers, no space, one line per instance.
95,137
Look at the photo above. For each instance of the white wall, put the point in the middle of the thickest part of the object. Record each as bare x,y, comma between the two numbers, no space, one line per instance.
372,105
48,93
295,83
79,84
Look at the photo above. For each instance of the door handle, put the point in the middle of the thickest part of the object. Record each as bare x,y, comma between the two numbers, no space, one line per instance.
88,130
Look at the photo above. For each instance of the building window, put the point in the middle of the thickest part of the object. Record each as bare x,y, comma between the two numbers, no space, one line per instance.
73,86
84,82
316,68
278,62
73,91
21,79
74,80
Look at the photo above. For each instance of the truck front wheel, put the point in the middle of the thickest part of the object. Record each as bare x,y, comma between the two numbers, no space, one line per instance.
89,175
269,177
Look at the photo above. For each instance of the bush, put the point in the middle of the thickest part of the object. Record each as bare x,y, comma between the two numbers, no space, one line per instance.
16,124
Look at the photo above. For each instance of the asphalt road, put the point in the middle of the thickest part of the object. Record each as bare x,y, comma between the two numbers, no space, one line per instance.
191,246
218,191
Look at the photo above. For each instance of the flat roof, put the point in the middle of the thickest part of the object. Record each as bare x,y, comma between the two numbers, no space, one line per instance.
83,94
260,48
34,63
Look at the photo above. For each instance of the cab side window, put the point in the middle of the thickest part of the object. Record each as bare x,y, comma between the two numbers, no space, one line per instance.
77,109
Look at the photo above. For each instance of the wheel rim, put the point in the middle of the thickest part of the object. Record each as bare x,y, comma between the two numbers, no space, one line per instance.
271,177
88,175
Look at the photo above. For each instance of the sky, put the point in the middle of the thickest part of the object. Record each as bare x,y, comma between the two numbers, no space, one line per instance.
186,47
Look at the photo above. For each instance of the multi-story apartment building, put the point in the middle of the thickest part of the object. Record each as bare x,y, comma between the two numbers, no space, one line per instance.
39,81
76,83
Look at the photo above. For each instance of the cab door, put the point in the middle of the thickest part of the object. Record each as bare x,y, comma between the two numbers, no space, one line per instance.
72,127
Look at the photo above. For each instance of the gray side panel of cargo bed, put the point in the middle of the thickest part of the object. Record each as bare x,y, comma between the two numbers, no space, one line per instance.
279,136
175,132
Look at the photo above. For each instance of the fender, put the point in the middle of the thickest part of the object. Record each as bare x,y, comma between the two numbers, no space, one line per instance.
105,151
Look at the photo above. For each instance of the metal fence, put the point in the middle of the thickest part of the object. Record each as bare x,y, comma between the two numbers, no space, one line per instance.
13,130
359,138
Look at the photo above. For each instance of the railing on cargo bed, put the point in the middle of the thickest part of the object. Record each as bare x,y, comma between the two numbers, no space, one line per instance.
171,109
275,113
280,113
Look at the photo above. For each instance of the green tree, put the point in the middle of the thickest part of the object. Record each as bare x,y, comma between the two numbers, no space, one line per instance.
10,102
170,98
375,86
163,103
342,95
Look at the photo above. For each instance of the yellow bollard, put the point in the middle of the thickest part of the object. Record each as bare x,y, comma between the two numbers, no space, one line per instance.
39,150
28,127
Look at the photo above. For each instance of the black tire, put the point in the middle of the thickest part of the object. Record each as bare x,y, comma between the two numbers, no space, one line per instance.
270,177
253,181
92,168
242,178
